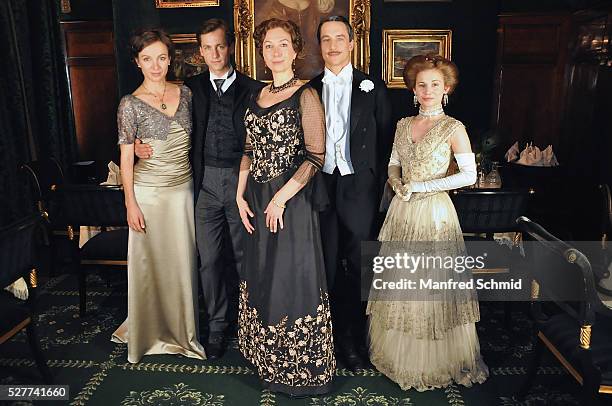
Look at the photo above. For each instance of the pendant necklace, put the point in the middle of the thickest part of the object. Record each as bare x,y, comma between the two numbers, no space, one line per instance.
163,105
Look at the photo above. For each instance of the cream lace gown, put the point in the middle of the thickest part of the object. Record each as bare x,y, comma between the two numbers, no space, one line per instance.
425,339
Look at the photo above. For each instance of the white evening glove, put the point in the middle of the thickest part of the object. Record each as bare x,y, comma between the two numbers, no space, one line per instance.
465,177
395,181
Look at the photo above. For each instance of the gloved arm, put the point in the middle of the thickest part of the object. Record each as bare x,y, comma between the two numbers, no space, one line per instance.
466,176
394,171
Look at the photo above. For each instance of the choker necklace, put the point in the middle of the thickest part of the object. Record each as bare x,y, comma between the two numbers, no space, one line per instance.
431,113
163,105
286,85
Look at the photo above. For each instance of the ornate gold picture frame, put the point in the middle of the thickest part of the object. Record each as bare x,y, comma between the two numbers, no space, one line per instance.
401,45
185,3
249,13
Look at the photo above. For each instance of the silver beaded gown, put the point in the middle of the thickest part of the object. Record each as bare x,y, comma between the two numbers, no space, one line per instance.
162,279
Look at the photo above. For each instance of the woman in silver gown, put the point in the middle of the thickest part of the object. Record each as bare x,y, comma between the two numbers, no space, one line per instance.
425,339
162,281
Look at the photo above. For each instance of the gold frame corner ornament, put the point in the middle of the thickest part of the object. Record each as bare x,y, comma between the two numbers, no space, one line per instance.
65,6
185,3
390,37
244,25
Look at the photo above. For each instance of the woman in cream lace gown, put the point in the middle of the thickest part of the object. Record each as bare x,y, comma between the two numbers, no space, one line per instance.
423,338
162,281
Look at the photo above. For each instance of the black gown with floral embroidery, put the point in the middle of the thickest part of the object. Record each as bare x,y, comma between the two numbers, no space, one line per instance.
285,321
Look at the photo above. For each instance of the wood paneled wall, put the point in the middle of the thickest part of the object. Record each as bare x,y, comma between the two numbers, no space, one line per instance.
92,74
530,78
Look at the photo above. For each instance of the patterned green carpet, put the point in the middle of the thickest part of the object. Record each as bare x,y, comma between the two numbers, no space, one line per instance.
81,355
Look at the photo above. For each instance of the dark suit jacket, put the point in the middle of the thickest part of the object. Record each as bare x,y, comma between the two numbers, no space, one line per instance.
371,136
201,87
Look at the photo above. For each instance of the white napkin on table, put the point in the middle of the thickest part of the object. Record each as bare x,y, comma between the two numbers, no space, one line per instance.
530,156
114,175
513,153
548,157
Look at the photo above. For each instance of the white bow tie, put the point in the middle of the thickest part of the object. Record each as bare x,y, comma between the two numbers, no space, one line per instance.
332,79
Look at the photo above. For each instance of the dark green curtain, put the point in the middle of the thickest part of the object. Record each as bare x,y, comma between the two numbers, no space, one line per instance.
36,120
127,17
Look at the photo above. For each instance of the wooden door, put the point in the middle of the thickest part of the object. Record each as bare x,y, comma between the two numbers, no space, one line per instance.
530,78
92,74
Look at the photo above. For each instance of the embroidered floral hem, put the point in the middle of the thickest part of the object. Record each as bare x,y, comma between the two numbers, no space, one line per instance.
289,355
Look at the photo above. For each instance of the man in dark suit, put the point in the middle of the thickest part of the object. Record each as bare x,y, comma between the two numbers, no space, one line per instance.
220,98
358,146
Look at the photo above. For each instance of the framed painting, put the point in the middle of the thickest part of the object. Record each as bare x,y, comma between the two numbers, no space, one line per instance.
187,59
249,13
401,45
185,3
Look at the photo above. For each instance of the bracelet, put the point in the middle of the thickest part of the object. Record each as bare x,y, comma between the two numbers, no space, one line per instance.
277,204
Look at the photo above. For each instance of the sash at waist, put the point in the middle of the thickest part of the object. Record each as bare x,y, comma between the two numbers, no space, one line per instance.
169,165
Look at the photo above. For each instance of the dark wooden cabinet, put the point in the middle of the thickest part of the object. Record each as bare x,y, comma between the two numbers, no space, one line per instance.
92,74
530,76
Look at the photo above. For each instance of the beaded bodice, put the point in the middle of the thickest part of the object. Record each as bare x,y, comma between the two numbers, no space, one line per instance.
276,138
137,119
429,158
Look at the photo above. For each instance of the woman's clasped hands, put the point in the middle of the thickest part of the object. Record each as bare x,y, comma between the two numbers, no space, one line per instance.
402,190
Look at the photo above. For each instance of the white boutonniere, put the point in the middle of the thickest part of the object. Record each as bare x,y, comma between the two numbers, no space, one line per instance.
366,85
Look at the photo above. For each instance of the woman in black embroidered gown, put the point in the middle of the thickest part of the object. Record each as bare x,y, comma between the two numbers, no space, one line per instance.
285,321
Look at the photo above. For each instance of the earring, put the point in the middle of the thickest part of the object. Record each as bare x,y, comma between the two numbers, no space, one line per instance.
415,101
293,66
445,99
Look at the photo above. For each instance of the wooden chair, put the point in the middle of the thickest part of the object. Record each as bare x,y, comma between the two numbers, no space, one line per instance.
100,206
18,247
579,334
40,176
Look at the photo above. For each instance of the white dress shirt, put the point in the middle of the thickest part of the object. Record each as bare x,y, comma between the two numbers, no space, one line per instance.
228,79
337,90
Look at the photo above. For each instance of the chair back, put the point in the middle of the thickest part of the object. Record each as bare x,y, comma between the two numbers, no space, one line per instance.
91,205
490,211
41,176
562,272
602,266
18,247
